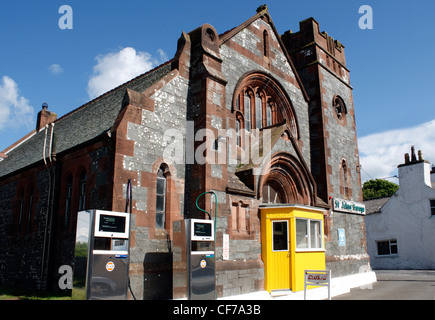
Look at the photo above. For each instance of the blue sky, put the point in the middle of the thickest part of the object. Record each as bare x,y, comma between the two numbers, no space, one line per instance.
391,65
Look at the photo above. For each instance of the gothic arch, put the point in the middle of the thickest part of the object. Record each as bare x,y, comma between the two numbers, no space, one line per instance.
271,92
289,179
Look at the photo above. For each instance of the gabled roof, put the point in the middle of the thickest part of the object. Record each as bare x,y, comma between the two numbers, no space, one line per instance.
262,12
81,125
375,205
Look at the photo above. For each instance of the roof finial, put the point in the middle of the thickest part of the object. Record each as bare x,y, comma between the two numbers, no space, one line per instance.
263,7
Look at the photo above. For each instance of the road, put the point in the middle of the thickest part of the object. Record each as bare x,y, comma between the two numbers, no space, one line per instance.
396,285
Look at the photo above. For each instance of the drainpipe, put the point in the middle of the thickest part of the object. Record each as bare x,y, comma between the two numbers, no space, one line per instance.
47,231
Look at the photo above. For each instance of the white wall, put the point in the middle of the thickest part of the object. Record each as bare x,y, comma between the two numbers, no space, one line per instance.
407,218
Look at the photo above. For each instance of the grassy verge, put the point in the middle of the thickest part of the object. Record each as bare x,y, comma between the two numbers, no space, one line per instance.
18,294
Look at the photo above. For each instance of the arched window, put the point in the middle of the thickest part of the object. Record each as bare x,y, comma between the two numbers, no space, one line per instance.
263,102
345,177
160,199
268,114
272,193
258,111
339,107
238,137
247,111
265,43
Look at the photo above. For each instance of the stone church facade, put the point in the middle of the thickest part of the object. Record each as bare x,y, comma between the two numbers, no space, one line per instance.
259,118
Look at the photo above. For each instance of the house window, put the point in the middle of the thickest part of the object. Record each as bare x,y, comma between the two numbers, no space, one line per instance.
160,199
432,207
309,234
387,247
82,192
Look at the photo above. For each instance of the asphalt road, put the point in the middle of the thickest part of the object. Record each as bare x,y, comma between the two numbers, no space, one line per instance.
396,285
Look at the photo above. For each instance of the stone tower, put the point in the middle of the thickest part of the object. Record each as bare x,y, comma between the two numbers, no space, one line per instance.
321,64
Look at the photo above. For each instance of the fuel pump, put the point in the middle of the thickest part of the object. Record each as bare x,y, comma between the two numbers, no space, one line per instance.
101,258
200,234
201,259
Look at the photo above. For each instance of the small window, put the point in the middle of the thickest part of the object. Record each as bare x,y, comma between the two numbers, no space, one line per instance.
339,107
247,112
160,199
387,247
280,235
258,112
265,44
238,138
432,207
309,234
268,114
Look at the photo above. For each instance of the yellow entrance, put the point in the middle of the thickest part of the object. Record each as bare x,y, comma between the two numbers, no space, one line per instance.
292,241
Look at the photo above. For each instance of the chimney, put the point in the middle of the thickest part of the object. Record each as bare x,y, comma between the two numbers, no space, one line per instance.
414,173
45,117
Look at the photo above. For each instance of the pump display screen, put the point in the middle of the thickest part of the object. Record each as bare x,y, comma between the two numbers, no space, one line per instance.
202,229
109,223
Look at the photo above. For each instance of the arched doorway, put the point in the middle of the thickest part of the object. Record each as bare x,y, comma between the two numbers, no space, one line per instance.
286,181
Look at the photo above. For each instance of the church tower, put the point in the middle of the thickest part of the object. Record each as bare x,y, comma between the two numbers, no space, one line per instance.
321,65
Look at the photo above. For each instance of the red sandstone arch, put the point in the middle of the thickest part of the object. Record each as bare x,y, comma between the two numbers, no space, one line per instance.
290,178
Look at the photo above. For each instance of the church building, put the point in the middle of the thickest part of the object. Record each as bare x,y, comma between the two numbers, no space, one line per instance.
263,120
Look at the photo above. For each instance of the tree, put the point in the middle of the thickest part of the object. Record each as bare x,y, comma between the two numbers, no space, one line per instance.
378,188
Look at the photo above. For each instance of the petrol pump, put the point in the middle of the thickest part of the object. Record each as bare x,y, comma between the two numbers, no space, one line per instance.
101,258
201,266
201,271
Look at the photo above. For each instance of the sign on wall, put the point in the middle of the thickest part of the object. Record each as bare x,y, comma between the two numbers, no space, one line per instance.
226,247
349,206
341,238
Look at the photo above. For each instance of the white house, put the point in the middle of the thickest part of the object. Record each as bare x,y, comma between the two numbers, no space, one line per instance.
401,229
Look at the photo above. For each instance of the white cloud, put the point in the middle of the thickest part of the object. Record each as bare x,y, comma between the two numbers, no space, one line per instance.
116,68
15,110
381,153
55,68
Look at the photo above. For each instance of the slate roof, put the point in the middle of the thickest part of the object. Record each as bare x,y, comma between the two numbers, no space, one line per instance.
83,124
375,205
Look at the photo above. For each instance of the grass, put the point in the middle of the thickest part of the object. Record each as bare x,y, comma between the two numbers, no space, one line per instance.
19,294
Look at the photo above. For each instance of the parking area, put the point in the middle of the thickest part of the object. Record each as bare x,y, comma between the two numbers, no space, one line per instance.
396,285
